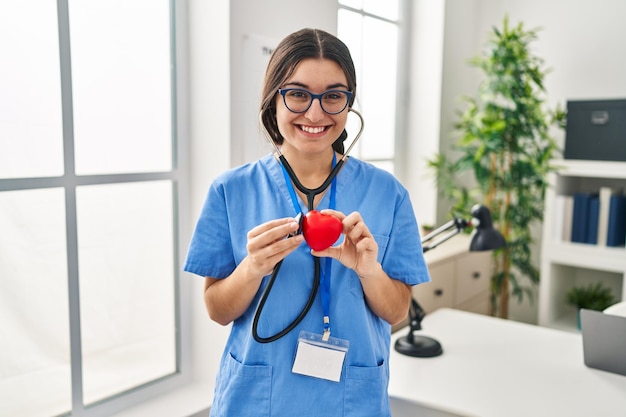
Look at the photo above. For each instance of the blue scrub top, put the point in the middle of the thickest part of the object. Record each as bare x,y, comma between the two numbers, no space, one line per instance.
255,379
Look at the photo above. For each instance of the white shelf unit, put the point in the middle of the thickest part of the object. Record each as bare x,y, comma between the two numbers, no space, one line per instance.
566,264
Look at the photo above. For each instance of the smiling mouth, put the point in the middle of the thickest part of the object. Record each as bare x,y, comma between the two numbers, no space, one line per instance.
313,129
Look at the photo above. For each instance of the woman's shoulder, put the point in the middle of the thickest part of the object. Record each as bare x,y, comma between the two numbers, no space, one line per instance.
244,172
373,174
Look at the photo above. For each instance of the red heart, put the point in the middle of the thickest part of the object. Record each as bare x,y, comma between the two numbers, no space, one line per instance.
321,230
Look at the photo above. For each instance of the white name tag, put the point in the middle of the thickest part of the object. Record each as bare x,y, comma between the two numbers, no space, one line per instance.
318,358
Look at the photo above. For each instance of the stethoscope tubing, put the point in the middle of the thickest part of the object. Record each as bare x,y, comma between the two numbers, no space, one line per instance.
310,194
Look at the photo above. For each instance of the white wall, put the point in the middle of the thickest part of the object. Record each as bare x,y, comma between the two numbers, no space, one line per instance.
581,40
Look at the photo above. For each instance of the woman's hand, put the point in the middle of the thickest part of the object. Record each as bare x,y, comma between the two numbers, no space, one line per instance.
359,250
267,244
227,299
388,298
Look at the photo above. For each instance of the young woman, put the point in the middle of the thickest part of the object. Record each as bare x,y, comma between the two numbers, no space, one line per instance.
316,343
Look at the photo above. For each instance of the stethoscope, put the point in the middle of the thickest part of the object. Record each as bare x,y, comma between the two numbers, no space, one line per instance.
310,196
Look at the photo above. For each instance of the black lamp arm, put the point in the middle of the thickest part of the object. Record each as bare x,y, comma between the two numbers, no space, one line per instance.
416,314
453,227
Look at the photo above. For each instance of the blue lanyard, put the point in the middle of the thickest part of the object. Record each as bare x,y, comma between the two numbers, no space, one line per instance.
325,275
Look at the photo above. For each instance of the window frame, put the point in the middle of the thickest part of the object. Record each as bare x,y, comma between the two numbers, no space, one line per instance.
402,81
69,181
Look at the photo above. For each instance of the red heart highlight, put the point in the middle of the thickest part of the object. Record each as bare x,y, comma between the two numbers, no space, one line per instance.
320,230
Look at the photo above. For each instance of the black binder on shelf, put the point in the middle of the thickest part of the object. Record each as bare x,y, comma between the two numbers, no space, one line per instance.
596,130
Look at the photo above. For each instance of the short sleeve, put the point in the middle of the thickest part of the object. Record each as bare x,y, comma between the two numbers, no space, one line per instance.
210,250
404,257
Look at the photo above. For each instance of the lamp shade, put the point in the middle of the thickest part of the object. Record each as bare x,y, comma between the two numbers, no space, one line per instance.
484,237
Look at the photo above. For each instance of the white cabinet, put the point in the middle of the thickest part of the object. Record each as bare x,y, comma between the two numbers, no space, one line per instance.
565,264
460,279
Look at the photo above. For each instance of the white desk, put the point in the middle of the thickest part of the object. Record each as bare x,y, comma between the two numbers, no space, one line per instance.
492,367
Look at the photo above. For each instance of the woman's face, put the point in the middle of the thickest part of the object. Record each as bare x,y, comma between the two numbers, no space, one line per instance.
313,131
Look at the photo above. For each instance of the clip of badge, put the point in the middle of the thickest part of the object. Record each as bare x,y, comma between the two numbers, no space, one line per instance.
320,358
326,334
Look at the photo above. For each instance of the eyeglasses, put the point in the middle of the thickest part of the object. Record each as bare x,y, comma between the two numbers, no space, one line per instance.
299,100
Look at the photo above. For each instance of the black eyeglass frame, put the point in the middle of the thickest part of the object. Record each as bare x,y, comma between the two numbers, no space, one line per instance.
284,91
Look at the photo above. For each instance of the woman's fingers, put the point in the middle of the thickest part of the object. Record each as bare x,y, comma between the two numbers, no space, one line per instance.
268,243
353,225
359,249
274,229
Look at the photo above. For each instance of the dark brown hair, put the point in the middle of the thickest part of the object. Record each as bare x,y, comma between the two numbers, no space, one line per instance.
305,43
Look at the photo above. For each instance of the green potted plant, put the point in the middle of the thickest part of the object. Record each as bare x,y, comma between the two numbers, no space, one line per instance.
594,296
506,143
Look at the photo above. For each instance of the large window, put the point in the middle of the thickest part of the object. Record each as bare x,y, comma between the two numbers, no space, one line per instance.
89,198
371,29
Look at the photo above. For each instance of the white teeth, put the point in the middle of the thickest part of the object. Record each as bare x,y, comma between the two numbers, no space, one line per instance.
313,130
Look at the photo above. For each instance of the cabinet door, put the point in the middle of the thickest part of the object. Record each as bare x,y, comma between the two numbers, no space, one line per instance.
478,304
440,291
473,275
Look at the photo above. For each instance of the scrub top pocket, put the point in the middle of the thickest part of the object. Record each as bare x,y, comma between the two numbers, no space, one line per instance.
381,241
366,391
246,390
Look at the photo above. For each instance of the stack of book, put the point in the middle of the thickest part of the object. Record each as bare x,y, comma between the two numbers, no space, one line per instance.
596,218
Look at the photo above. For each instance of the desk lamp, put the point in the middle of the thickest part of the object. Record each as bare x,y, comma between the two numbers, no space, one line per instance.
483,238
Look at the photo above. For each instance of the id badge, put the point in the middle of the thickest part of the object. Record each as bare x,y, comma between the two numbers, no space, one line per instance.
318,358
